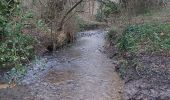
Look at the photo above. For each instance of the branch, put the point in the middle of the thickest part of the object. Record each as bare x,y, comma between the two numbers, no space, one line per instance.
66,14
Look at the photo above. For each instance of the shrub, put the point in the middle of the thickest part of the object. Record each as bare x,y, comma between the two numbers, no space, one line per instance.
113,34
15,47
16,50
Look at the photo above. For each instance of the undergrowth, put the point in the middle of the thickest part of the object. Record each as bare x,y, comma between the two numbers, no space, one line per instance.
112,35
145,37
137,39
16,48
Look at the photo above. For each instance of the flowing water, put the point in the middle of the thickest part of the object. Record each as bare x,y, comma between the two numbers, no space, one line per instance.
79,72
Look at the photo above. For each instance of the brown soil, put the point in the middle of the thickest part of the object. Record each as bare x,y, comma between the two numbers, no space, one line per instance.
150,81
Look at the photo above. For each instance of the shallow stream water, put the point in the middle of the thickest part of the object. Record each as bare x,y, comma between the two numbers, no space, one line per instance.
79,72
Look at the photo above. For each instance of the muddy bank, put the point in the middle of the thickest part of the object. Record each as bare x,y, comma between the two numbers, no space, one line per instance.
79,72
149,80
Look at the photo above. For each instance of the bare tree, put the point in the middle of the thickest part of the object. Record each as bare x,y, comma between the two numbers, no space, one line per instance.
57,15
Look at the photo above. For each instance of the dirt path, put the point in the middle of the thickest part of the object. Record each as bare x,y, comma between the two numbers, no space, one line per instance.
80,72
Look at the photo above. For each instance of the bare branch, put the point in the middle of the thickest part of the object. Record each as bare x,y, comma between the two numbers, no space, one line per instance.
66,14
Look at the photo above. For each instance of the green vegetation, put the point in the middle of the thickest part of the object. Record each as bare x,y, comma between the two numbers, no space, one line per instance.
15,46
112,35
140,38
145,37
106,8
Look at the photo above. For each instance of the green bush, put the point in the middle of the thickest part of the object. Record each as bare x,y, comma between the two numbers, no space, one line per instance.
152,37
111,33
15,47
16,50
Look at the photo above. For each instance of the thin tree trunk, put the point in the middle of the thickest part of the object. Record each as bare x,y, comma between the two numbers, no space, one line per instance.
61,23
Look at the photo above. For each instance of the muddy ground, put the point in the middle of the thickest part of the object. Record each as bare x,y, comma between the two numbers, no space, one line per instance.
149,81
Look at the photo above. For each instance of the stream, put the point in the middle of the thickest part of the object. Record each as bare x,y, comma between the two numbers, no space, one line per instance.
78,72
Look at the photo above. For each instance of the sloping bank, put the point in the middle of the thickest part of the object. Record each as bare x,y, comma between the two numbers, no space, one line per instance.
141,54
